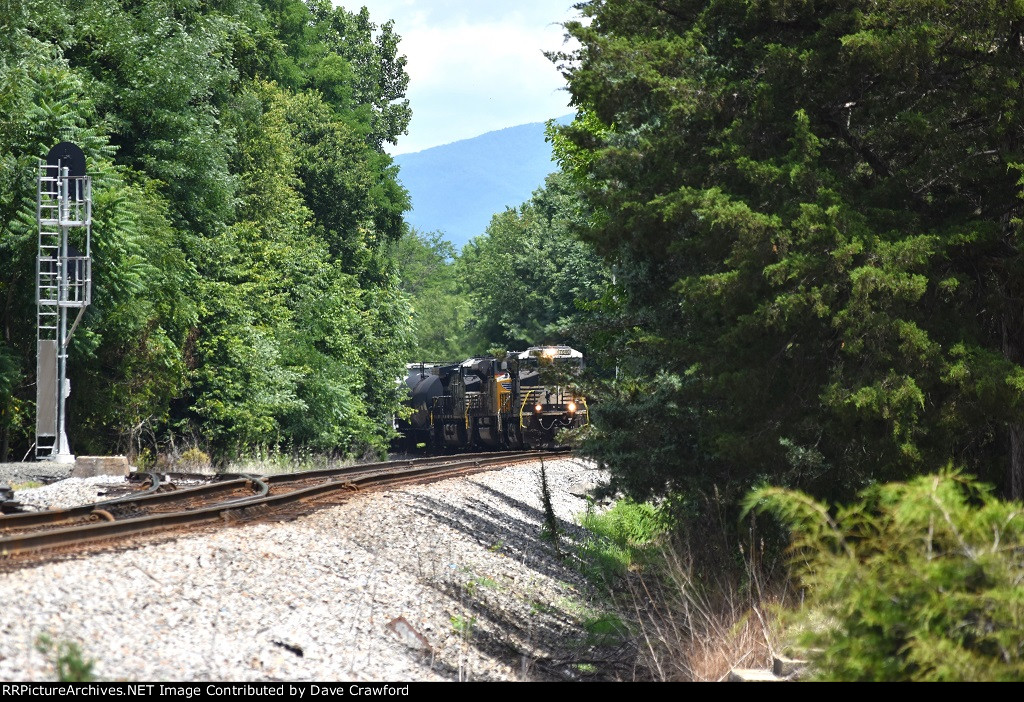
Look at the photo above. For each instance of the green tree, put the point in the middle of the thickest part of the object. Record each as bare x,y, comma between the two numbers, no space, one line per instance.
244,215
441,311
284,356
127,354
813,212
525,275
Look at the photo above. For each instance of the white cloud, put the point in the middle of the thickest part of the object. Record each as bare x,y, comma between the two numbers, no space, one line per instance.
474,67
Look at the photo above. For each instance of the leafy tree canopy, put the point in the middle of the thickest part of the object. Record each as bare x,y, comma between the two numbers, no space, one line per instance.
525,281
243,218
526,275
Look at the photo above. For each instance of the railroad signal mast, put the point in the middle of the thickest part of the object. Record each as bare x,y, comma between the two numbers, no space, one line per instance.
63,283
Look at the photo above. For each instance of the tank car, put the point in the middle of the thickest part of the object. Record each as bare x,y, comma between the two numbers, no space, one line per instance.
424,382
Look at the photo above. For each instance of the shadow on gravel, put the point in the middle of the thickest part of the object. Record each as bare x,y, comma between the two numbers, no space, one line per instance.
543,640
536,643
519,537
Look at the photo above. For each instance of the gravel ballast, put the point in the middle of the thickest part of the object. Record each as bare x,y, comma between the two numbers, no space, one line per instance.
461,562
69,493
36,471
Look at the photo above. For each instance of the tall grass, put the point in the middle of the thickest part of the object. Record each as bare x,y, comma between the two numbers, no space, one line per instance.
700,596
697,625
623,539
270,460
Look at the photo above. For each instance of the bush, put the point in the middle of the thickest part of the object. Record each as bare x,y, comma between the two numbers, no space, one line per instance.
916,581
194,459
623,538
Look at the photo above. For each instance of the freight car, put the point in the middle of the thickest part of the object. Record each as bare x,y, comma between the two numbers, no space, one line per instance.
519,401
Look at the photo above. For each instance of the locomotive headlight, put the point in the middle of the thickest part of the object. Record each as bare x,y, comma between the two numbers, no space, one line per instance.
538,407
571,407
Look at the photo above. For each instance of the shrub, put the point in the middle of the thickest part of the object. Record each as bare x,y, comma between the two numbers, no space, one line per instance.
915,581
194,459
623,538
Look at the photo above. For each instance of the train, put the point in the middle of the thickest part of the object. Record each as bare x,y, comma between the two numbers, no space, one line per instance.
518,401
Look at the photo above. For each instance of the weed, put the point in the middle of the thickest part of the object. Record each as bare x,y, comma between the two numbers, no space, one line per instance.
144,459
479,581
622,539
538,607
693,598
604,629
272,460
696,625
67,660
26,485
194,459
463,626
550,530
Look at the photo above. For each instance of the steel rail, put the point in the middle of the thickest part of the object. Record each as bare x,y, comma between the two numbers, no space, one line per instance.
150,498
20,520
378,474
363,467
153,487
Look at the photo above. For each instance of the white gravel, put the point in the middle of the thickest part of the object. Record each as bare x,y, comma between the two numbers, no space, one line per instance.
13,473
70,492
461,560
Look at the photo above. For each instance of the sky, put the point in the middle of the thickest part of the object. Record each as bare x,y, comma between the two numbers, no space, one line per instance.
475,65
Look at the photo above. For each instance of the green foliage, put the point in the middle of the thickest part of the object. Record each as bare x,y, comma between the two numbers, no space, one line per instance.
194,459
440,308
621,539
474,584
813,214
68,660
526,274
520,283
915,581
463,626
604,629
550,529
244,292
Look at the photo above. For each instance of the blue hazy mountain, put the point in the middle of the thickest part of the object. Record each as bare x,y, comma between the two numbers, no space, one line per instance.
456,188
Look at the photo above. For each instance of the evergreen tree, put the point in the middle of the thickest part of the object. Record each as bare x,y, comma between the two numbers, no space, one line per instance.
813,212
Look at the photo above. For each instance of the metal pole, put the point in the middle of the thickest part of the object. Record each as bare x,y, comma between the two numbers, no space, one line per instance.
62,450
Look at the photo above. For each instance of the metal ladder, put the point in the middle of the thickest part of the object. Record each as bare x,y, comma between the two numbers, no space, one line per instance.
63,281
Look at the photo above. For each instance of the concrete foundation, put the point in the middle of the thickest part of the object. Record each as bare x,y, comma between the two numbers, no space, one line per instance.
90,466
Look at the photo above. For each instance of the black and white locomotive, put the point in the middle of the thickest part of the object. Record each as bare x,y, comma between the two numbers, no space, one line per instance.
519,401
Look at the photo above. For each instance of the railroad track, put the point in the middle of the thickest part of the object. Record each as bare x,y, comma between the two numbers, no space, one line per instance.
229,499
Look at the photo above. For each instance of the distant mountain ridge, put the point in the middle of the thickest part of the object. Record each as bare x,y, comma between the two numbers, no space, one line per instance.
456,188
